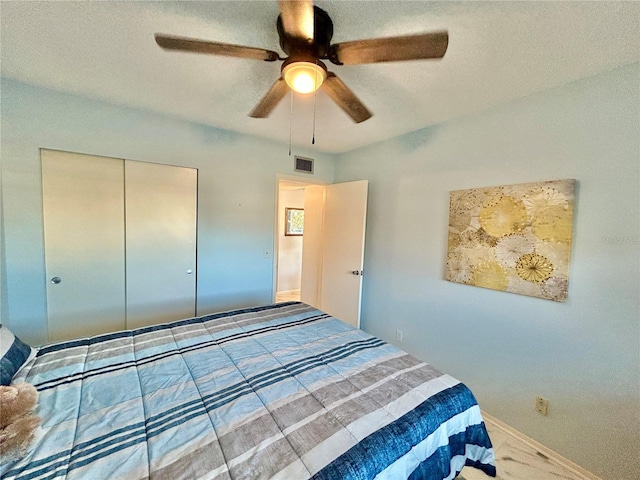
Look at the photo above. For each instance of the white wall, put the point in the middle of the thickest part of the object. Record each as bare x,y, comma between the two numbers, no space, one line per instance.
289,247
236,197
583,355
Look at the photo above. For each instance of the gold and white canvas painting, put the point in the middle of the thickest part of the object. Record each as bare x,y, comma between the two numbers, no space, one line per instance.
514,238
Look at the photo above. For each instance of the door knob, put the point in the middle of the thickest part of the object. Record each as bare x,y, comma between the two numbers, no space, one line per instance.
56,280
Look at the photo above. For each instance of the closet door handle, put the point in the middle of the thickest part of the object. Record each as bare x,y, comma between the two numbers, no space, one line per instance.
56,280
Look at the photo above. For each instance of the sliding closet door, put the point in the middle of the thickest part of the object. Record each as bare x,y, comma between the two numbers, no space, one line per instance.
83,204
161,206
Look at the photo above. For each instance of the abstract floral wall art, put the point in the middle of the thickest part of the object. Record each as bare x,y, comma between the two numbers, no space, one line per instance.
514,238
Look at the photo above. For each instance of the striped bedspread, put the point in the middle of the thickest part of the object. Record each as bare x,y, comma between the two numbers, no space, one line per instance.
282,391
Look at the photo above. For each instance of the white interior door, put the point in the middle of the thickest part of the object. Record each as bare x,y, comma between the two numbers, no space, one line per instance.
345,211
83,202
161,212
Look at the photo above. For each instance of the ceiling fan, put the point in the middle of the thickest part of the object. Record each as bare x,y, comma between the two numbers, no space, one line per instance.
305,33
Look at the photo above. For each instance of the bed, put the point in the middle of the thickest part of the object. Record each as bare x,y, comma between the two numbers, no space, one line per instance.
282,391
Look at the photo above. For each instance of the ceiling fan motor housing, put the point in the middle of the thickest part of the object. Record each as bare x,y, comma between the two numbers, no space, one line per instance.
303,50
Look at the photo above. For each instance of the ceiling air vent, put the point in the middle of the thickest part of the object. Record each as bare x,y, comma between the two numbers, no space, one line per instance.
303,165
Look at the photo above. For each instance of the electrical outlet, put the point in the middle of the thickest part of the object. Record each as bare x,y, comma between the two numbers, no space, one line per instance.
542,405
399,335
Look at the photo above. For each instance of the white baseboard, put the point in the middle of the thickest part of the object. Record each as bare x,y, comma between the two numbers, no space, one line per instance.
546,451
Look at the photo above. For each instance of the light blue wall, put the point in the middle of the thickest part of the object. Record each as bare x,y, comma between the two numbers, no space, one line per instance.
236,204
583,355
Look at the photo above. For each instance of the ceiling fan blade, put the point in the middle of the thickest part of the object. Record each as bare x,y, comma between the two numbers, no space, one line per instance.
345,98
214,48
297,18
391,49
278,90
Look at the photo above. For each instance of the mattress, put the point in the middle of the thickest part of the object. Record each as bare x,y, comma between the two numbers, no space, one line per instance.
281,391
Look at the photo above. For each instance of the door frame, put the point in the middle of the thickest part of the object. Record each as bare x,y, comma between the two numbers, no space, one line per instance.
276,238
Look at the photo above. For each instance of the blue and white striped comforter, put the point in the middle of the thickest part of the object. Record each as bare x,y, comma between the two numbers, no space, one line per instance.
282,391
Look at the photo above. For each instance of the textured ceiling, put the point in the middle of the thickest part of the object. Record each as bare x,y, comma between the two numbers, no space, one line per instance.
498,51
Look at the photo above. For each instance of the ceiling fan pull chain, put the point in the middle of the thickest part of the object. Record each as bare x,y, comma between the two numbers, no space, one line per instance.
290,117
313,134
315,96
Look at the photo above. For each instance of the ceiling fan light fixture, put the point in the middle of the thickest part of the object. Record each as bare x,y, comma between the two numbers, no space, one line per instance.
304,77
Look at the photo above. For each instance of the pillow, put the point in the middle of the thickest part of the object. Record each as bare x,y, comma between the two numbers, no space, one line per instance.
14,353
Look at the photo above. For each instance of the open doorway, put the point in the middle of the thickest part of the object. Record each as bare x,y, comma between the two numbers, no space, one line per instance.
289,240
323,266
